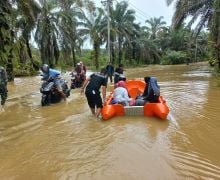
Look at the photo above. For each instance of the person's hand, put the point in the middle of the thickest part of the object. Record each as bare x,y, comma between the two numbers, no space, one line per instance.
132,102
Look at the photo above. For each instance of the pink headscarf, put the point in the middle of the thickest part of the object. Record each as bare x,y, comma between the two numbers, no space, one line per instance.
121,84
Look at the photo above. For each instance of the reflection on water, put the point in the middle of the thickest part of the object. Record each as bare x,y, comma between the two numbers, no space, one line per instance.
63,141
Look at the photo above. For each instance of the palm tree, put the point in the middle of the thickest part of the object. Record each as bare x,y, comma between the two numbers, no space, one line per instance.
148,48
130,45
70,17
149,41
165,38
6,38
46,34
122,23
179,38
94,27
208,13
216,30
21,16
155,25
28,11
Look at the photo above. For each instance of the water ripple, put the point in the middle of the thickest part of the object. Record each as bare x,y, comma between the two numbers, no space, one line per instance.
194,164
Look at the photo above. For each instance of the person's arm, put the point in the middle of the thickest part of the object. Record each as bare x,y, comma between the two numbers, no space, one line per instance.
126,95
45,77
104,87
103,93
85,84
53,74
145,93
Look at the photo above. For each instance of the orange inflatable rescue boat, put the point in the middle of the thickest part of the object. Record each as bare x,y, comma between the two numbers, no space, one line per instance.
135,88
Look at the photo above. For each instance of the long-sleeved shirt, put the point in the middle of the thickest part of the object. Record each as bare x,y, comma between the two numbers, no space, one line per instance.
121,95
52,74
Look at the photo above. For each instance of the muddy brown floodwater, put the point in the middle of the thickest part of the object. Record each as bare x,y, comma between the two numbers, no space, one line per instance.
63,141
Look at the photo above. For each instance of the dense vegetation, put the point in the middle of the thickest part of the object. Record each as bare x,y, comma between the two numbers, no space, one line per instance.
59,28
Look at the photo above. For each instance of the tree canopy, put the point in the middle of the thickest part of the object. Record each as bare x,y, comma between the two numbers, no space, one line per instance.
54,32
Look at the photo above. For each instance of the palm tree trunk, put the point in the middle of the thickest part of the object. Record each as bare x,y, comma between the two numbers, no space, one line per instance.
30,55
9,67
29,51
112,54
119,50
96,50
22,58
6,38
218,38
73,55
218,33
218,59
133,50
218,48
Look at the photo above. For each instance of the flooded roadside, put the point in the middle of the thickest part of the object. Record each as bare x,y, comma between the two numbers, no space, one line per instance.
64,141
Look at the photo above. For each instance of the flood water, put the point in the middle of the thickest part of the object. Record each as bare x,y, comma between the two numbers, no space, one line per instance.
63,141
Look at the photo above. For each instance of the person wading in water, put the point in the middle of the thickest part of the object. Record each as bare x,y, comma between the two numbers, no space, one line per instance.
93,84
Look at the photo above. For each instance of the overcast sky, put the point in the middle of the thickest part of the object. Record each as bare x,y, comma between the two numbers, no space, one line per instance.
146,9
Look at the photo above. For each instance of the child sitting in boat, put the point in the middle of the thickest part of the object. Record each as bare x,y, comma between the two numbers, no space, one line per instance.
120,95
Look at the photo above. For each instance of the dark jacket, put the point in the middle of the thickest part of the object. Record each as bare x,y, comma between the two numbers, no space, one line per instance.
152,90
110,70
97,80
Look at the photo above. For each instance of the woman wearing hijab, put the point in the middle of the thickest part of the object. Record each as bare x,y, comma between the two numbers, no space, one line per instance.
121,94
151,92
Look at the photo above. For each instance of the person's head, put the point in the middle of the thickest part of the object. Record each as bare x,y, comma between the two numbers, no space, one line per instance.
103,71
45,68
122,77
120,65
121,84
80,62
147,79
